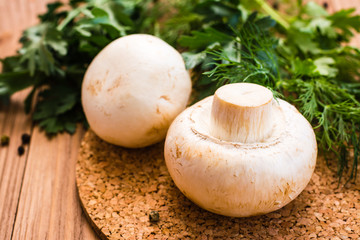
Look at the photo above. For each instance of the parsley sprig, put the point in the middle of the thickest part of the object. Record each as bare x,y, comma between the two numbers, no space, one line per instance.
56,52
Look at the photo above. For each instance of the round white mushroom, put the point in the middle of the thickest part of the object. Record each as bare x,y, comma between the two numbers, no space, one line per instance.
133,90
240,152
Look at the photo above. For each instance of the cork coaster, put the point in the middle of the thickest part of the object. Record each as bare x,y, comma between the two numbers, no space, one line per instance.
119,187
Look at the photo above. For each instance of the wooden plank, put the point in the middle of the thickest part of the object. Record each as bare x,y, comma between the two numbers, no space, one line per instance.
49,198
49,206
15,16
13,122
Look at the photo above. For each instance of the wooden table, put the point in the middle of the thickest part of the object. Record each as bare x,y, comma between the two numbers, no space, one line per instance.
38,198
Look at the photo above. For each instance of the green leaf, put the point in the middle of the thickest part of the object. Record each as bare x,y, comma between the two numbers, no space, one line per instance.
345,21
51,125
70,127
70,17
83,30
54,41
323,66
106,19
325,27
304,41
193,59
11,64
303,67
55,102
99,13
11,82
41,44
200,40
314,10
229,51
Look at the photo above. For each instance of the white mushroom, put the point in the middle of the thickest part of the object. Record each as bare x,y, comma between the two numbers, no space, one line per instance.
133,90
240,152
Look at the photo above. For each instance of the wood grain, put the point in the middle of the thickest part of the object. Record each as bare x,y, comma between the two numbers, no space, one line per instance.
38,198
49,206
17,15
13,122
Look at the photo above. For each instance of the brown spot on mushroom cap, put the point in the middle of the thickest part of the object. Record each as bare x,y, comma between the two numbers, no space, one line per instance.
117,82
159,129
161,126
177,152
95,87
287,189
158,109
167,98
154,130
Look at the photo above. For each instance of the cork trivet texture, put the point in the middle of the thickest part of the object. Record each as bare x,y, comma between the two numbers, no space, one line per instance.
119,187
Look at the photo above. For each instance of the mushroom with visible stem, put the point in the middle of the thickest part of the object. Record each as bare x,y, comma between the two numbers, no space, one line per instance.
240,152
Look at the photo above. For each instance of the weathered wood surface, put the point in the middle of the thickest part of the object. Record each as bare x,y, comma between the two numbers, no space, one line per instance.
38,198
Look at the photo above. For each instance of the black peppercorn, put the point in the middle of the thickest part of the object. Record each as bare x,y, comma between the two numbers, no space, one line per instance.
154,216
21,150
5,140
25,138
275,5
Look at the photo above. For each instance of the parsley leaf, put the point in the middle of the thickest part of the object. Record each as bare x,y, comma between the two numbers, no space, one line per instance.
56,52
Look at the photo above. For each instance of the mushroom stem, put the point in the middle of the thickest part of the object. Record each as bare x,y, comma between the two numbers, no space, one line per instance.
242,112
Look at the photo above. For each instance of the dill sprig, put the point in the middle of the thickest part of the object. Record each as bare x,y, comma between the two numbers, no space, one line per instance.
305,62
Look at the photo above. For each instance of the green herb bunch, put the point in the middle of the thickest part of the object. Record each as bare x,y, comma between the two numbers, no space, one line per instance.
303,59
301,54
56,52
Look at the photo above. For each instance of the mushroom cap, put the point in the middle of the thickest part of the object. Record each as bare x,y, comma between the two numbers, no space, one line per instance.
133,90
240,179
